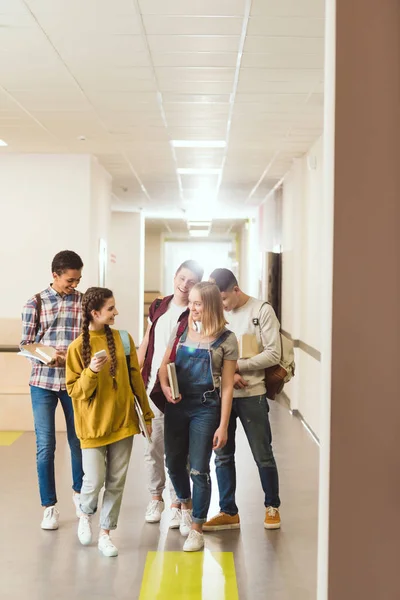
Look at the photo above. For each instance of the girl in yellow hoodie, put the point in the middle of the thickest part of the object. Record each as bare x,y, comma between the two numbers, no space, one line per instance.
105,416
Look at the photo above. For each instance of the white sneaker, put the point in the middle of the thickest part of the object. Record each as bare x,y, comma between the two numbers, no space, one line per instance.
106,546
76,499
176,517
85,530
154,510
186,522
50,518
194,542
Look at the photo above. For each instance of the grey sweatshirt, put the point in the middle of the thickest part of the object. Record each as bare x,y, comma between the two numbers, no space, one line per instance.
240,321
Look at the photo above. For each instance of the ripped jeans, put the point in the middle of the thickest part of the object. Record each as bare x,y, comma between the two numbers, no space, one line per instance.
189,428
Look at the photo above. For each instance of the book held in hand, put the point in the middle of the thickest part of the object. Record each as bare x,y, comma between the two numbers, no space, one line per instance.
40,352
142,422
248,345
173,380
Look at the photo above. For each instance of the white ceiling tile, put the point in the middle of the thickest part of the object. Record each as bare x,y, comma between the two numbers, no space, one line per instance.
196,87
288,8
115,100
284,45
194,59
176,25
196,98
294,75
193,7
282,61
288,27
193,43
194,74
275,87
76,7
52,99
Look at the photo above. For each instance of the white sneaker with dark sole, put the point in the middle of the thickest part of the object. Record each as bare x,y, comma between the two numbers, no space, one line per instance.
50,518
176,518
106,546
194,542
85,530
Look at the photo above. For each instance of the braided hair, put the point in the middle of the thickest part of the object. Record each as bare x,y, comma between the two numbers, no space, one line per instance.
94,299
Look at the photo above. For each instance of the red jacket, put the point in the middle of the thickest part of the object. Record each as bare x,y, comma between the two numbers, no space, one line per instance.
156,310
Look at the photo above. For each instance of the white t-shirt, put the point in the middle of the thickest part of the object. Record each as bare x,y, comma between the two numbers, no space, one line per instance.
163,329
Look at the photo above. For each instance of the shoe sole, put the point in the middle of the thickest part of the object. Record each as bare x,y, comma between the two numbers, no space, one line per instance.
85,542
108,555
274,526
221,527
193,549
152,520
49,528
173,526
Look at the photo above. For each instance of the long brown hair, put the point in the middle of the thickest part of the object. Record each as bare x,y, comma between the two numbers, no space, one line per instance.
94,299
213,319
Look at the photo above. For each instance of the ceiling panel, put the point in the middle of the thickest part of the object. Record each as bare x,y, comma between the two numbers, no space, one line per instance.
288,27
185,7
129,87
194,59
194,43
288,8
178,25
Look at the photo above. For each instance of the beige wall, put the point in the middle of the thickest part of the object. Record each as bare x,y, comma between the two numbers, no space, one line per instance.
153,262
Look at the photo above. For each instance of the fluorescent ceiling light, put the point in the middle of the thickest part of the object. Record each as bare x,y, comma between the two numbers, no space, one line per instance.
199,223
198,144
198,171
3,143
199,232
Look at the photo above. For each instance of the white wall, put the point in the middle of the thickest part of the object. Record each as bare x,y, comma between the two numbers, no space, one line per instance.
153,262
46,205
304,277
126,274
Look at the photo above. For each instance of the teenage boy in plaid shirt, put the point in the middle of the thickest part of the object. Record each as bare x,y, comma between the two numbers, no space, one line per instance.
54,319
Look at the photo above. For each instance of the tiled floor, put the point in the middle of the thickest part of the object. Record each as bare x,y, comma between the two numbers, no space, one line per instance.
250,564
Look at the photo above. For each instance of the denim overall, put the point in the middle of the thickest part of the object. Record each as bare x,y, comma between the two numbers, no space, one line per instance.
190,425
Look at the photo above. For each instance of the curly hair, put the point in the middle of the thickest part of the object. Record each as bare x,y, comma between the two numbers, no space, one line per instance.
64,260
94,299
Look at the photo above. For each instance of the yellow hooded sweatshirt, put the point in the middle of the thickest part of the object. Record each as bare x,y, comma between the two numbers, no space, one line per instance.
104,415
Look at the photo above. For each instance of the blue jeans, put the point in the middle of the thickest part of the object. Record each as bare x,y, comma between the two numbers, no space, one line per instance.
44,404
253,413
189,429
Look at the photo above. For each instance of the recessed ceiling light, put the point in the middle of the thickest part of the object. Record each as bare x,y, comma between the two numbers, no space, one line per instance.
3,143
199,232
199,223
198,171
198,143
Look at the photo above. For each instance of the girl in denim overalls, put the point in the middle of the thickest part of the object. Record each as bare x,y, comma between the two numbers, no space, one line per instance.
196,422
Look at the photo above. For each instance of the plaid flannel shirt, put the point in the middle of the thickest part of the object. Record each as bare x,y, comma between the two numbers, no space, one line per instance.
60,324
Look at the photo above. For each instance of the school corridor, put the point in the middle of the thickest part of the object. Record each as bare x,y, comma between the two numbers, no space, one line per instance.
246,564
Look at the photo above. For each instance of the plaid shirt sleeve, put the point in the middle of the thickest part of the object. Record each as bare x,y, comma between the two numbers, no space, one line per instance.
29,322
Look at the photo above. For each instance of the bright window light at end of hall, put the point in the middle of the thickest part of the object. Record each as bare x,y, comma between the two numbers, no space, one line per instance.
3,143
199,233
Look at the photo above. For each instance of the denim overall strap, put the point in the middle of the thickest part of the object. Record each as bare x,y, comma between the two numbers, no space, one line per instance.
194,366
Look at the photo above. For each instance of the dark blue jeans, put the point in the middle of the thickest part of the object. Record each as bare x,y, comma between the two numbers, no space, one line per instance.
44,404
189,428
253,413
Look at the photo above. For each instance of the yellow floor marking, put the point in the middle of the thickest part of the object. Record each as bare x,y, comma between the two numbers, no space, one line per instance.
8,437
189,576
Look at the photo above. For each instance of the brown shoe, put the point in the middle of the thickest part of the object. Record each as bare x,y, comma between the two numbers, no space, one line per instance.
272,518
222,521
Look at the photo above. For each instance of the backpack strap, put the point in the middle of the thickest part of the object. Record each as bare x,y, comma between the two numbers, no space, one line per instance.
126,341
124,335
38,313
